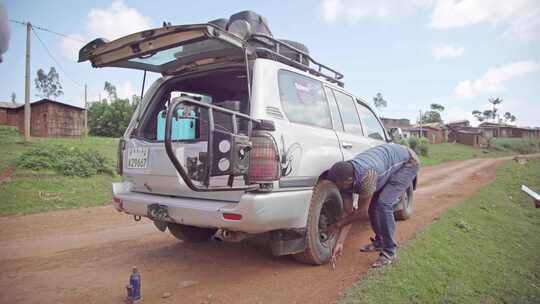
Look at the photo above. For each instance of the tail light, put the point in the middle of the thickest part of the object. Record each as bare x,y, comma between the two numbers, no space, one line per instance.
263,160
120,156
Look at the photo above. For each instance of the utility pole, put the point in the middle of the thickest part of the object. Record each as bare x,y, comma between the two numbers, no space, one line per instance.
420,121
27,84
85,112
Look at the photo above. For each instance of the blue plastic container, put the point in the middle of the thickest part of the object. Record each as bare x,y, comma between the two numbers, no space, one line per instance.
183,126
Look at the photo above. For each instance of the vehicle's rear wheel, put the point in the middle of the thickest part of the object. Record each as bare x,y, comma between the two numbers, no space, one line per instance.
190,234
406,200
326,207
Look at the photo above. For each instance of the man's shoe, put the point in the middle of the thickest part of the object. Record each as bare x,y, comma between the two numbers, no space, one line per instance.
371,247
384,259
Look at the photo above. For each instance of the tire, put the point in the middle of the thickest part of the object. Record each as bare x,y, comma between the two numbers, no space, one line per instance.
407,201
326,207
190,234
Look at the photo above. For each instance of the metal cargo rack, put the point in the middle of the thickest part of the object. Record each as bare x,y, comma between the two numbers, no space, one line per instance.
273,51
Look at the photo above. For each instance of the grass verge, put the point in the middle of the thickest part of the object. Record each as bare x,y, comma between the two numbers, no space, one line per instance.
28,191
441,153
483,251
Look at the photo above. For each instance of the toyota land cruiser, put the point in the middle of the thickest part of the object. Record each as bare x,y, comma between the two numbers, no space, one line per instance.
235,139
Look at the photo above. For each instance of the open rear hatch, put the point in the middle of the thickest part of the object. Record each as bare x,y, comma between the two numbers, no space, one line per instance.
223,153
167,50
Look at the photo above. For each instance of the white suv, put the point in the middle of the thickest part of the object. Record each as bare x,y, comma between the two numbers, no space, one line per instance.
236,138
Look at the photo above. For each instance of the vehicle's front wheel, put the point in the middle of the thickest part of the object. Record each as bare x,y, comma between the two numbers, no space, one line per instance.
326,207
406,201
190,234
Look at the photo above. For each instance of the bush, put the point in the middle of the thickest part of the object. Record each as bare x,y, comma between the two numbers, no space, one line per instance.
403,142
8,134
423,146
413,143
70,161
424,149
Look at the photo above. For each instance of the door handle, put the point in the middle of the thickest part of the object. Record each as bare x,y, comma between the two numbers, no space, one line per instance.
346,145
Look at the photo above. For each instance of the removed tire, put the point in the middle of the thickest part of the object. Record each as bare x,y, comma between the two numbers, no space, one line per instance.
326,207
406,200
190,234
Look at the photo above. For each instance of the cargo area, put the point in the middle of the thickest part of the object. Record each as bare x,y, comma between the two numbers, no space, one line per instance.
227,89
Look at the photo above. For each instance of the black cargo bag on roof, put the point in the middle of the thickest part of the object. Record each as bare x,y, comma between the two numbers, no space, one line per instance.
258,23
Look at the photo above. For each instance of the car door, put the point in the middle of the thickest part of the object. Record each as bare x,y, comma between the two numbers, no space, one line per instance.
309,144
374,131
351,136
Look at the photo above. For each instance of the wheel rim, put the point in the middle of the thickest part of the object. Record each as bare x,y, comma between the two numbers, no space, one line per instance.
326,218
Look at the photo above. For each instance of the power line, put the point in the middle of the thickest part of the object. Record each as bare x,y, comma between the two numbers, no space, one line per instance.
56,61
48,30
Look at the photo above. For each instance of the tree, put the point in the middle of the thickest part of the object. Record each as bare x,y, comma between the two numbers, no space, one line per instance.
13,97
437,107
492,114
434,115
109,118
379,101
508,117
111,90
431,116
48,84
494,102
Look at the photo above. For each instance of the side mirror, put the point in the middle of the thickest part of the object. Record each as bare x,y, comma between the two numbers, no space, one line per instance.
396,134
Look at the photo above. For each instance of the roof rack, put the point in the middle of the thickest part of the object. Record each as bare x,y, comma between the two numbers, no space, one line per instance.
274,51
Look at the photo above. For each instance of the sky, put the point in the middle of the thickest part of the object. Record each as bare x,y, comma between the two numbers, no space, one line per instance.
416,52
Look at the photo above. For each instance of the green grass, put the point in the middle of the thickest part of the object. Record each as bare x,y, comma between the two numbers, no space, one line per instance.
31,191
521,145
440,153
485,250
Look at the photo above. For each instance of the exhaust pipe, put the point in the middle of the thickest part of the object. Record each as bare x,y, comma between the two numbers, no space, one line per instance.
230,236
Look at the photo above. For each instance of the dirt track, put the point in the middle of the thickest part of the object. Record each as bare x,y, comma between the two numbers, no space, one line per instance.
85,255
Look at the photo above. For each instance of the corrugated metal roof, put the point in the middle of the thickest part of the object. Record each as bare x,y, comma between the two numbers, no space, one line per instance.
11,105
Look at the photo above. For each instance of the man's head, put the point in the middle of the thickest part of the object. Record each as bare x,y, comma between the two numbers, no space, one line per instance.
341,174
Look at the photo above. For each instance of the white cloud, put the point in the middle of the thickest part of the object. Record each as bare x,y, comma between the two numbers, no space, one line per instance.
354,10
519,17
112,22
453,113
446,51
115,21
516,18
493,80
71,46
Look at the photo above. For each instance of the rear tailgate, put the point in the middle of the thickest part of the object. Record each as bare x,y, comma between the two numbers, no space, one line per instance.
167,50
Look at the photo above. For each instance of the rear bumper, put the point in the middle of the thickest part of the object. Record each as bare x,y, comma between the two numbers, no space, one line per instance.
261,212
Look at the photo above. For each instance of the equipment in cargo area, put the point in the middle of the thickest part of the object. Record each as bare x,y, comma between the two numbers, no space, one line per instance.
183,125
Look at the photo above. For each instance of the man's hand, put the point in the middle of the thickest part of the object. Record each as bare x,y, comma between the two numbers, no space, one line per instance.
336,253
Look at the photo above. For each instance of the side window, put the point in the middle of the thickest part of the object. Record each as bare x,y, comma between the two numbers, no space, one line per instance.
371,124
348,112
336,117
303,100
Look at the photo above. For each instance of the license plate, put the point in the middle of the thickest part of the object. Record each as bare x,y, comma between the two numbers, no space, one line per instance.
158,212
137,158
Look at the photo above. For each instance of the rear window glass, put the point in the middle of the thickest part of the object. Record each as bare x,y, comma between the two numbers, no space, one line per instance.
303,100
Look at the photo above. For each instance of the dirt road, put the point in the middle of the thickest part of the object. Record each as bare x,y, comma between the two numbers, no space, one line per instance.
85,255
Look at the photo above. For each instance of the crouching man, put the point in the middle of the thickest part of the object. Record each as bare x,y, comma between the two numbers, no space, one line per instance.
379,176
